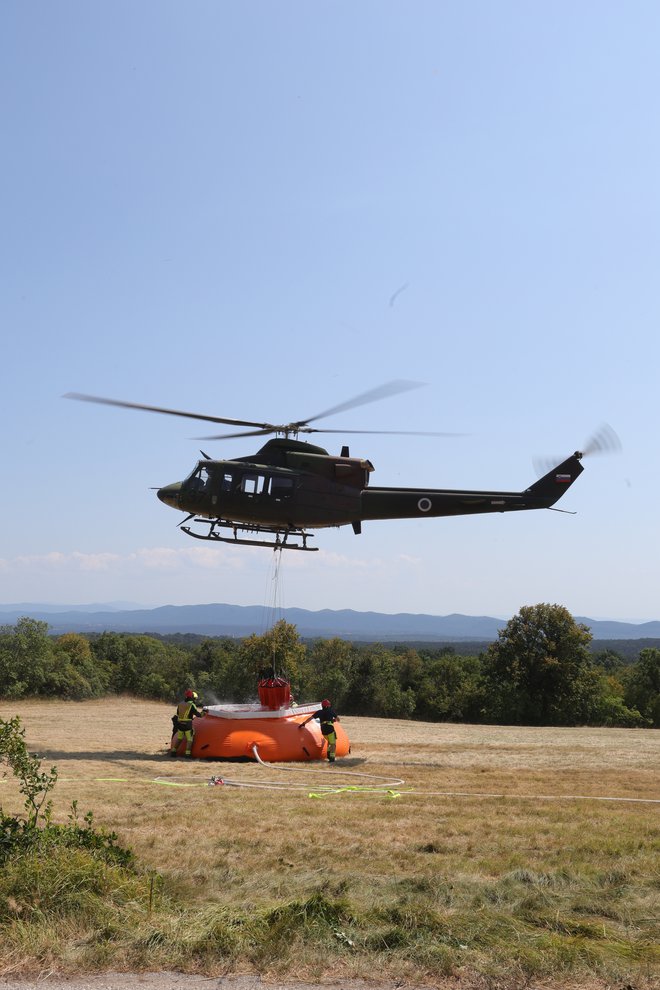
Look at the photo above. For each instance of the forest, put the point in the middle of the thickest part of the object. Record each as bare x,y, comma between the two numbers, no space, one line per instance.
540,671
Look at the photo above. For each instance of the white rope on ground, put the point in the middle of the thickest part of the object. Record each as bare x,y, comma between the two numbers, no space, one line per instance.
379,784
337,787
534,797
388,781
337,774
327,788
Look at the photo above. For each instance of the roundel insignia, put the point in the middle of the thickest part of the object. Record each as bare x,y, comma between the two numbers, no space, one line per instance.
424,504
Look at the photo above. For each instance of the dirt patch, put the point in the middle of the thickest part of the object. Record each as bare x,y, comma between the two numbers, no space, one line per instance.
183,981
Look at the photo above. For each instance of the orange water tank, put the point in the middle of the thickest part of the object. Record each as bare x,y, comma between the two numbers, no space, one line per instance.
232,731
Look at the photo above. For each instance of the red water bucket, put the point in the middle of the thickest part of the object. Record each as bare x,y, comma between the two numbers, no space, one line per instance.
274,693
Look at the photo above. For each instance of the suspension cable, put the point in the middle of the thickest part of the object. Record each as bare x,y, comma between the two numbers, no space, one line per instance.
273,595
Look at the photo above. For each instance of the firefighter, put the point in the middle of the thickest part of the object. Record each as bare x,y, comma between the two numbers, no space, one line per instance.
327,717
186,711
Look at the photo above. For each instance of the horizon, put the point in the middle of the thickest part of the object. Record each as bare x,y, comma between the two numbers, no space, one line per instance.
134,606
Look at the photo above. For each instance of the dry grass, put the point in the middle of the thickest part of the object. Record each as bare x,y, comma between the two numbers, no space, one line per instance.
498,864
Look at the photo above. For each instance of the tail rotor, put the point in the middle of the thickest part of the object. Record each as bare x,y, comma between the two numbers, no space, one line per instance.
603,441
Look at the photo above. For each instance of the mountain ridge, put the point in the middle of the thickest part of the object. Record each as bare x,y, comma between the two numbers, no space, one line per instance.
217,619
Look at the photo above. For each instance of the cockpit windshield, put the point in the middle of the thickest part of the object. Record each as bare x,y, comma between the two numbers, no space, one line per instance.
199,480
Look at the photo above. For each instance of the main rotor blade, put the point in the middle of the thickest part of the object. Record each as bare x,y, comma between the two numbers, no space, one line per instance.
388,433
312,429
263,429
168,412
245,433
373,395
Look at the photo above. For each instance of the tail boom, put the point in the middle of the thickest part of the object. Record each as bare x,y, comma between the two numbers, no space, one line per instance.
410,503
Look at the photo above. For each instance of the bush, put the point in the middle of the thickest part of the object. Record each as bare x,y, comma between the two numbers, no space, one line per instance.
20,836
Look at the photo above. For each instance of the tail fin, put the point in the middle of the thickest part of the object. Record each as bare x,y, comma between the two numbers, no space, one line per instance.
552,485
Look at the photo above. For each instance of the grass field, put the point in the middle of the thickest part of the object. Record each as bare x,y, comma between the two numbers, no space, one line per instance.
469,856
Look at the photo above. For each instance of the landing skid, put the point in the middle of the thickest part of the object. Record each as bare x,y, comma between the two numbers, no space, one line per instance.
281,541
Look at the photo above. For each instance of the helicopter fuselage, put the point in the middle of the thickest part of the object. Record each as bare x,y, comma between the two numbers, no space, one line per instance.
287,484
290,485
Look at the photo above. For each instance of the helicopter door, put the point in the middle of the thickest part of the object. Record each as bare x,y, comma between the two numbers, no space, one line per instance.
267,486
255,484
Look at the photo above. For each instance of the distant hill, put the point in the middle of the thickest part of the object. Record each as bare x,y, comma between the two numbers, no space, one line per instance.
243,620
29,608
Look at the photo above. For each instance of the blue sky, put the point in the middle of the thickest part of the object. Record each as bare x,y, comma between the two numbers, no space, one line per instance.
210,206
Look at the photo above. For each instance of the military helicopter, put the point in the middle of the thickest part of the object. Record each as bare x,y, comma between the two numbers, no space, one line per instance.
290,485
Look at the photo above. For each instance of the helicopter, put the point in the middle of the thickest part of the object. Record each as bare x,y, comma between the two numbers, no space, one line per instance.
271,498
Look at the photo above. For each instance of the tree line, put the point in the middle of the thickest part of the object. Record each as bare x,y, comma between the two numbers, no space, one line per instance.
539,671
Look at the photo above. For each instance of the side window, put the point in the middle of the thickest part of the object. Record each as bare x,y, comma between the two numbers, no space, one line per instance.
227,482
282,488
256,484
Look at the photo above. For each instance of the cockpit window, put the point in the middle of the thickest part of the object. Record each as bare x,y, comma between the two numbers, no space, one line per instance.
200,480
